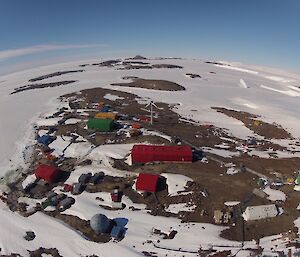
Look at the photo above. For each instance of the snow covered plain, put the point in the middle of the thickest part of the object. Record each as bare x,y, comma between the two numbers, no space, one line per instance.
280,104
273,95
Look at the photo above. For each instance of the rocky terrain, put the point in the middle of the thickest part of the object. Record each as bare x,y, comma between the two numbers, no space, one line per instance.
243,156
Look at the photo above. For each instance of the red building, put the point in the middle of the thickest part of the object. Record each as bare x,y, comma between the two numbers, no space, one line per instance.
147,182
151,153
144,118
47,173
136,126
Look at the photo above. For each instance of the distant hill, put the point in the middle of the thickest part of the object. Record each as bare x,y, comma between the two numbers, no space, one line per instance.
137,57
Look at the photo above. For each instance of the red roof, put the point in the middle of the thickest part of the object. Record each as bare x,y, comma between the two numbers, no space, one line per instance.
147,182
151,153
144,118
47,172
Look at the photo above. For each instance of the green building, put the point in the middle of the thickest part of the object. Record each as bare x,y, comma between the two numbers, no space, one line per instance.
298,179
102,125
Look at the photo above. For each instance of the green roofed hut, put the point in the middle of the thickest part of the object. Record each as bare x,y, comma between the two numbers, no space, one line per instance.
298,179
102,125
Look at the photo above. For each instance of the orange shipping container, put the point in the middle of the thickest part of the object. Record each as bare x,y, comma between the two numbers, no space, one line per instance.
106,115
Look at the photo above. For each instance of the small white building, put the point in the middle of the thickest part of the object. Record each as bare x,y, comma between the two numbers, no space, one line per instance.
260,212
31,179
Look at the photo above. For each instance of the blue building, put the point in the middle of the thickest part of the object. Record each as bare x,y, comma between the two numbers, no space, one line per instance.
118,232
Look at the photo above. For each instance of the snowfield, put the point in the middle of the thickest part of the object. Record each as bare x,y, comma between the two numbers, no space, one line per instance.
275,100
272,95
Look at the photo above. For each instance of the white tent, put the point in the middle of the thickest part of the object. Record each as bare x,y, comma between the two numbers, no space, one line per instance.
260,212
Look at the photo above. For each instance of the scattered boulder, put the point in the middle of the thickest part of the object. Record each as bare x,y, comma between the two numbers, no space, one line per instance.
30,235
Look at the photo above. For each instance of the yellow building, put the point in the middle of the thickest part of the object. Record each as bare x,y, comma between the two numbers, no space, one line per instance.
257,123
106,115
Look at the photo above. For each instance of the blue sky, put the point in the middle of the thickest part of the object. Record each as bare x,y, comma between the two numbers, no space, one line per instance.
263,32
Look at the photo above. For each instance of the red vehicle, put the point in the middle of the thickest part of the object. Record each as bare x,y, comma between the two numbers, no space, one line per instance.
68,188
116,196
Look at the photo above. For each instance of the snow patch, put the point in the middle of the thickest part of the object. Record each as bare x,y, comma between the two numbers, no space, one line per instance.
178,207
72,121
176,183
232,203
112,97
285,92
155,133
275,195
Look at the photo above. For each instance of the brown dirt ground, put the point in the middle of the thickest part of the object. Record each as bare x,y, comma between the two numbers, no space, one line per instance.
135,67
152,84
135,62
169,66
142,65
252,122
39,252
44,85
221,188
81,225
285,166
54,74
109,63
210,176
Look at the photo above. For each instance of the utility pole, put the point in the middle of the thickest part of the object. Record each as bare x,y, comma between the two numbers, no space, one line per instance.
151,110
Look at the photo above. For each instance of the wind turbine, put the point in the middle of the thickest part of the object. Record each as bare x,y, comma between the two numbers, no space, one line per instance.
151,104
